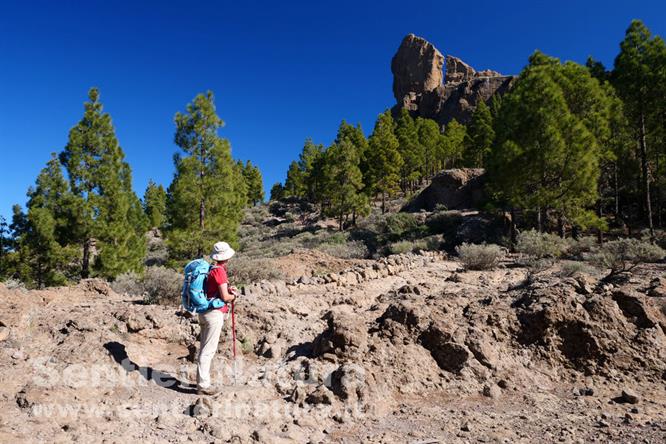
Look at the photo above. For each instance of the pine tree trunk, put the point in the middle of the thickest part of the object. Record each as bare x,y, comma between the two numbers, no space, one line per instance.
658,191
600,233
646,174
85,261
383,202
514,230
539,222
560,226
617,192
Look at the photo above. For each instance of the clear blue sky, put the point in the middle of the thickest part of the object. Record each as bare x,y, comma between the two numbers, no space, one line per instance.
281,71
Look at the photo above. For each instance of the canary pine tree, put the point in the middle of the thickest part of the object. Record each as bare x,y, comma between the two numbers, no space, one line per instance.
480,137
410,150
344,182
154,204
638,77
254,183
383,159
208,192
552,157
108,213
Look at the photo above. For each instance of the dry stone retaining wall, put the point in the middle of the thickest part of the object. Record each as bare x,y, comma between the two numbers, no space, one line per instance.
384,267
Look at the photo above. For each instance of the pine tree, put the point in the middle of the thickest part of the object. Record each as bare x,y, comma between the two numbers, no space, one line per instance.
452,144
108,213
410,149
254,182
295,183
154,204
6,246
311,163
344,182
355,135
43,245
552,157
384,160
637,83
430,139
597,69
480,137
208,191
277,191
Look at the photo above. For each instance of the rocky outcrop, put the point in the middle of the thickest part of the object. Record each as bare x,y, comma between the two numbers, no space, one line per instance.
455,189
417,83
417,66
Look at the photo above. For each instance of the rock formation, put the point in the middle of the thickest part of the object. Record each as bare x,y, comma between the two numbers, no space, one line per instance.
417,82
456,189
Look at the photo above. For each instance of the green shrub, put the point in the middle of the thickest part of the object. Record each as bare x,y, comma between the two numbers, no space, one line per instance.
434,242
396,225
444,222
625,254
479,256
401,247
540,245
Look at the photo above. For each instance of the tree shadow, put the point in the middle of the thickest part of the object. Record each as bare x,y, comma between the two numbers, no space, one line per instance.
162,379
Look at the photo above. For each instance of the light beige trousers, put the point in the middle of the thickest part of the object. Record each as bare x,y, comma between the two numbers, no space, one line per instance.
211,324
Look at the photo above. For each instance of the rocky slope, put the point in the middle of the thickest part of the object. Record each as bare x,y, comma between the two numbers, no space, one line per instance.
406,349
417,82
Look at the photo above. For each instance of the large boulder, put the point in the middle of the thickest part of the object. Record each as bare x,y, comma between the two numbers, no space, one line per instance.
455,189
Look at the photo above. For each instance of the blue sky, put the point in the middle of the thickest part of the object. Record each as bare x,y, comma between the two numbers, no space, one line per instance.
281,71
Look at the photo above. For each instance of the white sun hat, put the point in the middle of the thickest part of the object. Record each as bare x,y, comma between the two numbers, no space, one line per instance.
222,251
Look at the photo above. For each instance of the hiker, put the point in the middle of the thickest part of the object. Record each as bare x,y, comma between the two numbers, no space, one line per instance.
211,321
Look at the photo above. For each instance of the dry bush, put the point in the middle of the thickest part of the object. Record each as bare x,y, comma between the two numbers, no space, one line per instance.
479,256
625,254
582,245
158,285
349,250
128,283
162,285
14,284
541,245
245,270
572,268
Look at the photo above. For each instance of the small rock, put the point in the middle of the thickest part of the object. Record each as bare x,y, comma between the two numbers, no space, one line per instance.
491,391
629,396
503,383
466,427
4,333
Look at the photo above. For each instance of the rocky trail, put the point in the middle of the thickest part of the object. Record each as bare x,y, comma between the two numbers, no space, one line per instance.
405,349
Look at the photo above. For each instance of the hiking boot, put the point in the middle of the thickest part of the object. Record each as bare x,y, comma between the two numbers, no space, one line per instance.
208,391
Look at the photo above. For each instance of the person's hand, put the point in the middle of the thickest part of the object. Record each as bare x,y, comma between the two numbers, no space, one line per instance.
233,290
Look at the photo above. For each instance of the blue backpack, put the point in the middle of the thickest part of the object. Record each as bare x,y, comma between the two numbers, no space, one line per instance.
193,297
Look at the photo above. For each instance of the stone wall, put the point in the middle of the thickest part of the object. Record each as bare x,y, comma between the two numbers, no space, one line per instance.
384,267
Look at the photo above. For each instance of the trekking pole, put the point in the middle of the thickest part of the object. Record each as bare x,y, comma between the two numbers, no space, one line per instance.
233,338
